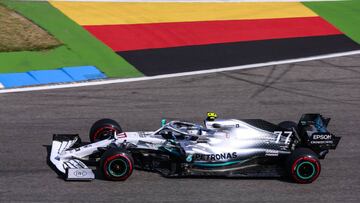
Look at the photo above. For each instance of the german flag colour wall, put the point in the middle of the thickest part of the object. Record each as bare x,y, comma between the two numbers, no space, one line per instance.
161,38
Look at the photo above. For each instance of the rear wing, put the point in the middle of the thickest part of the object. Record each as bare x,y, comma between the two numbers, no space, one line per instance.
317,120
315,135
61,158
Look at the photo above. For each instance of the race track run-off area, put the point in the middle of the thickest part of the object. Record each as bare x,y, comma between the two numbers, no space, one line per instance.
160,38
274,93
133,39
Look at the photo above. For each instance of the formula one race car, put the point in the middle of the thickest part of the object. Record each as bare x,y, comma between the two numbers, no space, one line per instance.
222,147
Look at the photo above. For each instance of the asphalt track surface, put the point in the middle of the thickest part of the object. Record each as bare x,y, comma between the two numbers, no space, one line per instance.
275,93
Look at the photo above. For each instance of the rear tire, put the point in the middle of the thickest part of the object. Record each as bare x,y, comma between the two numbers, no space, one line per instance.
103,129
303,166
116,164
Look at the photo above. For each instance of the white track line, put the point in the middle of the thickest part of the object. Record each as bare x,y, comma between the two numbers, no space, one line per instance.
113,81
200,1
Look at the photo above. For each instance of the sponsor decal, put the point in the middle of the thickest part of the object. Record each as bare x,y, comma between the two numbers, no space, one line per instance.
79,173
214,157
322,137
322,142
121,135
189,158
142,134
270,152
286,134
227,135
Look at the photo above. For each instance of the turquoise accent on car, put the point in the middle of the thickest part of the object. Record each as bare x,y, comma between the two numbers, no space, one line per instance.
218,164
163,122
169,149
306,177
115,174
189,158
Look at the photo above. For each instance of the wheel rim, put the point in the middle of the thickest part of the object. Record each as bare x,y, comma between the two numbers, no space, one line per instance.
117,167
121,172
104,133
305,170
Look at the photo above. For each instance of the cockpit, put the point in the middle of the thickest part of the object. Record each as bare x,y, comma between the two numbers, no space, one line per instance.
186,128
182,130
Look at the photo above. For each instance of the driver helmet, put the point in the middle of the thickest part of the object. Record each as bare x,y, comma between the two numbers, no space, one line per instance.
211,116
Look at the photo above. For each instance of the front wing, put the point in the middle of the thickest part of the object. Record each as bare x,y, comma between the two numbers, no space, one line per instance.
60,156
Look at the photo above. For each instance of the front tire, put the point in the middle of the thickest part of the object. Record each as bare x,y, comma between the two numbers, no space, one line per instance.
103,129
116,164
303,166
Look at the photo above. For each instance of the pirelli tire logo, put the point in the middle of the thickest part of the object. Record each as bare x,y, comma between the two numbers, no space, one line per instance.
321,139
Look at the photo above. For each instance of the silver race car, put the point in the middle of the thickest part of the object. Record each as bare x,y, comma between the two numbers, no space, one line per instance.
222,147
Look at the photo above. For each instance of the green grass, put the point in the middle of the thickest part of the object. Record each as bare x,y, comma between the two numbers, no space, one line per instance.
80,48
345,15
19,34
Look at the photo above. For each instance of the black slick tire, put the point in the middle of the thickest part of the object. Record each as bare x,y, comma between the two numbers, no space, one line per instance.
116,164
303,166
103,129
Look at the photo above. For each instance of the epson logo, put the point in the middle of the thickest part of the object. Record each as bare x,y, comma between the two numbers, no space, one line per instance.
322,137
80,173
